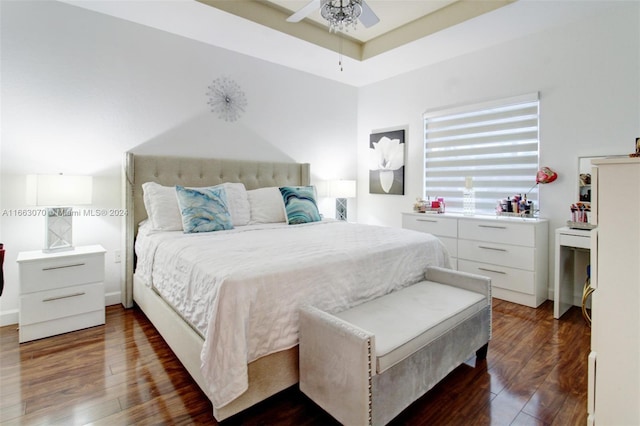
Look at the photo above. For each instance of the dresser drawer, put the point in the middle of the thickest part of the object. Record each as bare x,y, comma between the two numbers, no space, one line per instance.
503,277
498,232
518,257
47,274
451,244
59,303
432,224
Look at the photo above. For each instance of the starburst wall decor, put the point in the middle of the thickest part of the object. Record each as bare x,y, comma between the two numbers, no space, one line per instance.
226,98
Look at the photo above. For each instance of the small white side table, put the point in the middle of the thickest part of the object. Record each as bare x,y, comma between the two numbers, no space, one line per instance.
60,291
572,249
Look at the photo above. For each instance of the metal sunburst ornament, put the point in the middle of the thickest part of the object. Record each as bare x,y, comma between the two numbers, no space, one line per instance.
226,99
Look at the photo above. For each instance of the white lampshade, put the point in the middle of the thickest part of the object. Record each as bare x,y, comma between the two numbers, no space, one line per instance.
341,189
58,193
59,190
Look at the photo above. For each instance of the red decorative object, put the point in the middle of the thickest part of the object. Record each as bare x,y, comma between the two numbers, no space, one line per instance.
546,175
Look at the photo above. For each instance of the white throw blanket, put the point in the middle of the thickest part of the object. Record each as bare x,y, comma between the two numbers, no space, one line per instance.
241,288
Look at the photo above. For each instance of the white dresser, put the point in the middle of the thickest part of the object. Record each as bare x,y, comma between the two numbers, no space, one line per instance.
614,362
445,227
511,251
61,291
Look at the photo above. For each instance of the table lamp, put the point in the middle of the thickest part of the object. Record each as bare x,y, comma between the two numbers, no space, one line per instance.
57,193
341,190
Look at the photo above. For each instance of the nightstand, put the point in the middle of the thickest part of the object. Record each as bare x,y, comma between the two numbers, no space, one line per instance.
60,291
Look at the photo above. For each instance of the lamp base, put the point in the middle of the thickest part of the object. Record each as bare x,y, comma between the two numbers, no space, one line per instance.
59,230
341,208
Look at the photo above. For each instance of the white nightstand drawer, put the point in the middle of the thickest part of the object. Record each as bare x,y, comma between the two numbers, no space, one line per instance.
497,254
60,303
497,231
503,277
431,223
47,274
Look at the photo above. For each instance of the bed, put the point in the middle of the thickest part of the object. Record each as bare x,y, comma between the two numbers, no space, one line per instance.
225,347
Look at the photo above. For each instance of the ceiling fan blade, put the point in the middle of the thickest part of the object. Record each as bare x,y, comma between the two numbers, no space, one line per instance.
368,16
304,11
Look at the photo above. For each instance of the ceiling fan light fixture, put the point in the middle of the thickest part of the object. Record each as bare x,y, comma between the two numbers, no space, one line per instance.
341,14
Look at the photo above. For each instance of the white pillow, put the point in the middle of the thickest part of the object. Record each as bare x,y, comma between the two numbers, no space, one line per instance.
161,203
162,207
238,203
267,205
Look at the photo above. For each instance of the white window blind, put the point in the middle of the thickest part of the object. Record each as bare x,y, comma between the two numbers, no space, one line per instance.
495,143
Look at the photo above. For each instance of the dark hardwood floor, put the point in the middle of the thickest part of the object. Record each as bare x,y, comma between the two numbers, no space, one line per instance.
123,373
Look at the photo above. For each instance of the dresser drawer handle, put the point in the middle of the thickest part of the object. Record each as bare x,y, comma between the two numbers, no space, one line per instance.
51,299
493,270
492,248
492,226
427,220
62,267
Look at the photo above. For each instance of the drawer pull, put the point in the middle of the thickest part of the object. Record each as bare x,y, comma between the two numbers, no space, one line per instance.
427,220
492,248
51,299
492,226
493,270
63,266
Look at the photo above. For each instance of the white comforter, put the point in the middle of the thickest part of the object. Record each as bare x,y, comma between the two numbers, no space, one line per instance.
241,288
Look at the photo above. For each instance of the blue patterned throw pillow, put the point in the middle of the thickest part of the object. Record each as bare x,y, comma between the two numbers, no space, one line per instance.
203,209
300,204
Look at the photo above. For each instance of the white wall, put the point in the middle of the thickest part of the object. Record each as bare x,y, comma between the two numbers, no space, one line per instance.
80,88
588,76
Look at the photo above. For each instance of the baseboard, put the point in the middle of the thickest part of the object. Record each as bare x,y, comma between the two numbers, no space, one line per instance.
9,317
114,298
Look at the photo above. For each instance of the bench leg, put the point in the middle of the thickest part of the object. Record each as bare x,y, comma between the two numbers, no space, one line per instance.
482,352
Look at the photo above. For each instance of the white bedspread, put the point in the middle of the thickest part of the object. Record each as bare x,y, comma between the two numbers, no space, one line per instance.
241,288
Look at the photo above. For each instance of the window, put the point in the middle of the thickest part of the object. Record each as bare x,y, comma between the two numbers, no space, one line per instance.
493,143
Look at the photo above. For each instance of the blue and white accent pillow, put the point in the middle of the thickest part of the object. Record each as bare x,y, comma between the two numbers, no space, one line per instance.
300,204
204,209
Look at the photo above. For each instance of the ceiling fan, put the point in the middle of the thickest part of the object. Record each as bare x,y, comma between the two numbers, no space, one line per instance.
339,13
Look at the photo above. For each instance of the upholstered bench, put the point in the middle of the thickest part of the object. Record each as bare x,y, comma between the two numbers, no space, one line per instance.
368,363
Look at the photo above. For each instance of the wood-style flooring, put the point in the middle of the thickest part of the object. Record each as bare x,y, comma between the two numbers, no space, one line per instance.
123,373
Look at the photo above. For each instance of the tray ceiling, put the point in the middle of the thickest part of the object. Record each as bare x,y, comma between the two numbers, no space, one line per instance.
401,21
393,49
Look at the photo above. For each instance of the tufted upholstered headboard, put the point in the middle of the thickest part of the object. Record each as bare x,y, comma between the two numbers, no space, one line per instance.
188,171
